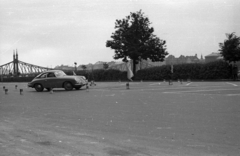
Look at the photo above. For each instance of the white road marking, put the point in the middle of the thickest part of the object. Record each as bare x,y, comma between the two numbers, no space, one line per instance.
232,84
200,90
188,84
164,127
155,84
233,94
110,95
196,145
129,84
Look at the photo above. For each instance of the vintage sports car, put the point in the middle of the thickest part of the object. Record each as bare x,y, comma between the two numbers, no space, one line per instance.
57,79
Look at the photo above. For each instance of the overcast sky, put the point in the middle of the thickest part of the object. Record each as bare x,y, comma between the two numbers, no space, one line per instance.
54,32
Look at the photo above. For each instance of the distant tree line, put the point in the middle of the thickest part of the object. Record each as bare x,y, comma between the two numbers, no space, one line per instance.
218,70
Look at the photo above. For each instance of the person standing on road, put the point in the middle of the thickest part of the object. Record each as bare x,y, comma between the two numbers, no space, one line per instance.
129,71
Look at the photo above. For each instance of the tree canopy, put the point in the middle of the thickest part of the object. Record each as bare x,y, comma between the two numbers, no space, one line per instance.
134,39
230,48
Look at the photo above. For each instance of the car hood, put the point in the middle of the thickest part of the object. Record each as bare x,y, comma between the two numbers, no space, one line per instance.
76,77
72,76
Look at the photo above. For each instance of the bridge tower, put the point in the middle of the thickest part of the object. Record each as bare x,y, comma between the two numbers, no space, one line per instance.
15,63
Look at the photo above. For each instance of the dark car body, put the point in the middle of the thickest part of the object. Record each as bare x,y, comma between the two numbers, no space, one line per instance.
57,79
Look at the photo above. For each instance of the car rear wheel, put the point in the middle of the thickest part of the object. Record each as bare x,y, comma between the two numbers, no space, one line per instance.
38,87
68,86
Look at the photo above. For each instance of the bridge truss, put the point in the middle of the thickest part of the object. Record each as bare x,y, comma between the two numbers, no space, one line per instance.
17,68
23,68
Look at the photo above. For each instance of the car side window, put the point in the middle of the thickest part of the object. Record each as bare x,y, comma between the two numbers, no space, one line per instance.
43,76
50,75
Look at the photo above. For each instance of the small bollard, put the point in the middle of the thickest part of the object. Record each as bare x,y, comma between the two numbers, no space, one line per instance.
6,91
3,87
16,86
87,87
92,83
51,90
127,85
21,91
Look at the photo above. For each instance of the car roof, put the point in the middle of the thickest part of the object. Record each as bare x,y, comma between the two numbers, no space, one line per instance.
48,71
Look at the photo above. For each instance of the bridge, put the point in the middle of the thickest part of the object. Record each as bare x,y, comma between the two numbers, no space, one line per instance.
17,67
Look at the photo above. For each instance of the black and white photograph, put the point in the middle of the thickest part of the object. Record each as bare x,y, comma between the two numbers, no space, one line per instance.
119,78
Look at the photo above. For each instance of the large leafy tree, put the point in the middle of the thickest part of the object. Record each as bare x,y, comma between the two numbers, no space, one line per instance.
134,39
230,48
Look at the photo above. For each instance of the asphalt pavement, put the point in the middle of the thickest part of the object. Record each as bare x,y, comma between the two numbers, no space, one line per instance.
148,119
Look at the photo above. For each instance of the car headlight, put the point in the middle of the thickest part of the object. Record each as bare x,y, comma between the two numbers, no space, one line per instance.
77,81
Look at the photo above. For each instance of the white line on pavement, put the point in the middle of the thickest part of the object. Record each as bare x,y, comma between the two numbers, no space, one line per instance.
233,94
232,84
188,84
110,95
200,90
129,84
155,84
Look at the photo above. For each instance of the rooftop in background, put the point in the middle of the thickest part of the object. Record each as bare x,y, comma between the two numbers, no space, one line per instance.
213,54
213,57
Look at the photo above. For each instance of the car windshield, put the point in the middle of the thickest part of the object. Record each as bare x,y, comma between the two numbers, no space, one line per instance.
59,73
42,75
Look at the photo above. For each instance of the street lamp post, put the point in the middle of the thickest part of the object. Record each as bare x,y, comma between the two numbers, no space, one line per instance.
75,66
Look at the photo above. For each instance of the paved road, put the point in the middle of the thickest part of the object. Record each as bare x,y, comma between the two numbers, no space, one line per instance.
149,119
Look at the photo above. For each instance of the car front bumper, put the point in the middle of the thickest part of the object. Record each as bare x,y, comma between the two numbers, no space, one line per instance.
30,85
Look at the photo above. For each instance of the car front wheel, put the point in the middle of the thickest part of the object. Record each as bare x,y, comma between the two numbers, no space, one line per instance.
68,86
38,87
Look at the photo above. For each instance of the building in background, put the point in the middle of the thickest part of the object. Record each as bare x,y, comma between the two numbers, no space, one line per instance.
171,59
183,59
64,67
213,57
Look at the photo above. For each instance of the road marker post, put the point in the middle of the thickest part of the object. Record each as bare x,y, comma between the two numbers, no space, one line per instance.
51,90
87,87
127,85
21,91
92,83
6,91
